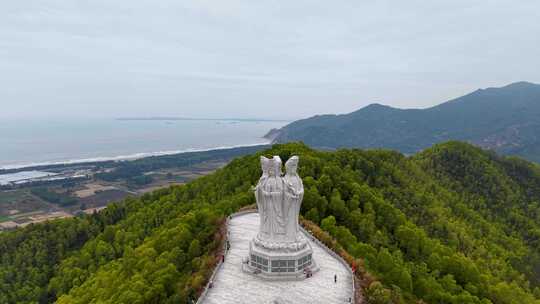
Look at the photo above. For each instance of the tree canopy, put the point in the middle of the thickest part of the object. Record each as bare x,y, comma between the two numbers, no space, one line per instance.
452,224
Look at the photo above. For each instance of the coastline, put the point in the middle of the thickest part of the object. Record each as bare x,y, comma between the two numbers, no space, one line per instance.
128,157
48,192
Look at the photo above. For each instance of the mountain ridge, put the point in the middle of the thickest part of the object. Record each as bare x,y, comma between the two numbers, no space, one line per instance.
505,119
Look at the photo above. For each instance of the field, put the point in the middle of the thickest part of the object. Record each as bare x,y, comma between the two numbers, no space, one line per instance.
14,204
103,198
110,182
19,201
22,206
91,189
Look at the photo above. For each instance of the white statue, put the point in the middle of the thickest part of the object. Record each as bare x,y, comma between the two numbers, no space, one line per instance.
264,227
294,194
272,196
280,248
278,200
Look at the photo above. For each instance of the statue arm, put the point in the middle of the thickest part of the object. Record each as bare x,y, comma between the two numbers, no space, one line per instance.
259,184
300,191
290,189
289,186
264,192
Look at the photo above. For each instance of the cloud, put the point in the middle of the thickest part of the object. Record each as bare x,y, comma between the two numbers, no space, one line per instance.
234,58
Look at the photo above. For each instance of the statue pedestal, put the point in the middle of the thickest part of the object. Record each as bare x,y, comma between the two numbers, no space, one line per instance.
280,261
232,285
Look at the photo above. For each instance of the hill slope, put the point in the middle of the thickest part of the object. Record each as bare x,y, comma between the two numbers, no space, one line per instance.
505,119
452,224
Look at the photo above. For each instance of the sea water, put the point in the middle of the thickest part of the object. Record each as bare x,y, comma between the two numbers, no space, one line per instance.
25,143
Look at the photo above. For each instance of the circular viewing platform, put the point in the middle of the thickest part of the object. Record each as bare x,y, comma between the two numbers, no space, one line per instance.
233,285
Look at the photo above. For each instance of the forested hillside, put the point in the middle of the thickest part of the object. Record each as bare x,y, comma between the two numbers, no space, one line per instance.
505,119
452,224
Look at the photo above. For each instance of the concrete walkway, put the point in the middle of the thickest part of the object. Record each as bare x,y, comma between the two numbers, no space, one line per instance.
232,285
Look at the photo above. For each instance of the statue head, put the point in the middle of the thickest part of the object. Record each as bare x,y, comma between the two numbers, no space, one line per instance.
291,166
265,165
275,167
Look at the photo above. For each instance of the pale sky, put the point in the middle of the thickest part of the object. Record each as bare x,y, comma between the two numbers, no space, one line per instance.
264,59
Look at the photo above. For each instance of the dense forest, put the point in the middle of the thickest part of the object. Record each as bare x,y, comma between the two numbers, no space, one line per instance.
452,224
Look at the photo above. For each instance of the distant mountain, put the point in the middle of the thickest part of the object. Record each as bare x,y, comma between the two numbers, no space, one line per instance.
505,119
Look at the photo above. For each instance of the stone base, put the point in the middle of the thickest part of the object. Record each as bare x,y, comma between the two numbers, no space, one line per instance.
231,285
299,244
280,265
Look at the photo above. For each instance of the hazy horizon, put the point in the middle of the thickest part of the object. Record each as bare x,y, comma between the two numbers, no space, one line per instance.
264,59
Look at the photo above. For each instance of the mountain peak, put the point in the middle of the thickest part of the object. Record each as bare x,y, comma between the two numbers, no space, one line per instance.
374,107
371,109
521,85
504,119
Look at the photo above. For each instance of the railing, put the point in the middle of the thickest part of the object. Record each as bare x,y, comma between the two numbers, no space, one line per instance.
313,238
205,291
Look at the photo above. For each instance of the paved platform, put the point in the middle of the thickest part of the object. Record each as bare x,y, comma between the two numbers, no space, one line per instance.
232,285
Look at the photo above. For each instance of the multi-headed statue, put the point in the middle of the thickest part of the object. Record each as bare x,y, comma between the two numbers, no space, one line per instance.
279,245
278,200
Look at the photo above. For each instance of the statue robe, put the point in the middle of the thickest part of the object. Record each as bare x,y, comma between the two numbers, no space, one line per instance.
273,199
293,196
264,226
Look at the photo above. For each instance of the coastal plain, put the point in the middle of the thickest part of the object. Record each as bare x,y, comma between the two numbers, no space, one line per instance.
38,194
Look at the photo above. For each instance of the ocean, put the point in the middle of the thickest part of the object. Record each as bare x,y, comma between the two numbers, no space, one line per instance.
29,143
